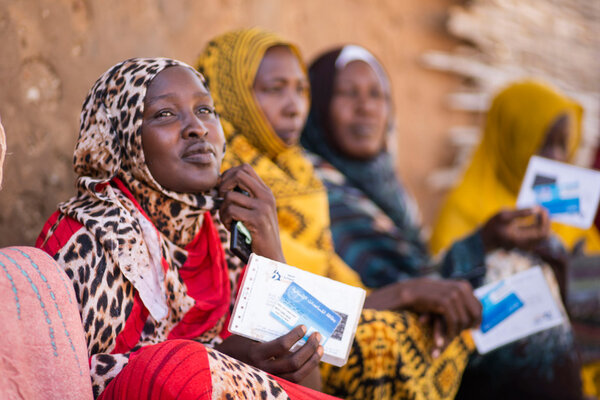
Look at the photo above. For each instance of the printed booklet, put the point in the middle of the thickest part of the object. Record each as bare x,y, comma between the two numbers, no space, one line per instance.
275,297
514,308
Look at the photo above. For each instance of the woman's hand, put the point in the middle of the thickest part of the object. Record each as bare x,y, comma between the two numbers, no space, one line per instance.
522,229
451,302
257,211
275,357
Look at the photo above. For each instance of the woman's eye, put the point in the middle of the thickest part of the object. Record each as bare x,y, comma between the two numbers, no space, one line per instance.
347,93
274,89
302,89
377,94
164,114
206,110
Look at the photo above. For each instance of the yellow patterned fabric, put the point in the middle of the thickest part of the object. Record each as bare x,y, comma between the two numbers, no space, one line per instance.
516,127
590,376
390,357
230,63
373,371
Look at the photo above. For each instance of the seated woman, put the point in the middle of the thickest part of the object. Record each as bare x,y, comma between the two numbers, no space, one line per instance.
42,345
261,90
527,118
371,224
144,249
374,221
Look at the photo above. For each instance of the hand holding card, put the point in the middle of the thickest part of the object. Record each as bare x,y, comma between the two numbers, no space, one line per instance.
274,298
297,306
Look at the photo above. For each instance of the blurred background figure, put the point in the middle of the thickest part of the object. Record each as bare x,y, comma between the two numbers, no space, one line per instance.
372,230
525,119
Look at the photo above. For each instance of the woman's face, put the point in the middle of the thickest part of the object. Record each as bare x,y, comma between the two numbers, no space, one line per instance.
182,137
555,146
281,89
358,112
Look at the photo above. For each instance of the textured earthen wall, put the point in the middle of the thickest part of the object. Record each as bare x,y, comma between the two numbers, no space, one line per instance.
53,50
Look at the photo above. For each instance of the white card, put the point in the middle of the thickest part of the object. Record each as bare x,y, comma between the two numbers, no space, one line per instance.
569,193
261,313
538,310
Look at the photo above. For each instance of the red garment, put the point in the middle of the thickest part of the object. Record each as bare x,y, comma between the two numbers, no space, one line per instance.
175,369
204,274
178,368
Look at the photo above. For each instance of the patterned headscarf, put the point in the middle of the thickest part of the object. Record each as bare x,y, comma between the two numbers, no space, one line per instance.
110,146
376,177
230,63
516,126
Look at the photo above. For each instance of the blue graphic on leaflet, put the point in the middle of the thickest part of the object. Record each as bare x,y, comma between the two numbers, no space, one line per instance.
498,304
558,199
298,307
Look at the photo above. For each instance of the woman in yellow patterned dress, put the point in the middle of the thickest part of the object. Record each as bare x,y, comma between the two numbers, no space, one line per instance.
261,92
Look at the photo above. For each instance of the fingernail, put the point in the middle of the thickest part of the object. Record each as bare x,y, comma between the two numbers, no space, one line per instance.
303,328
319,337
439,341
435,353
320,351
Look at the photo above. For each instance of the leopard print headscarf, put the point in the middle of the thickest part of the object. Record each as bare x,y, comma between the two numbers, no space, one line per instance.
110,146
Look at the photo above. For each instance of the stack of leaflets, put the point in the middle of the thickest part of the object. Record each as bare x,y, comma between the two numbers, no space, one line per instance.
275,297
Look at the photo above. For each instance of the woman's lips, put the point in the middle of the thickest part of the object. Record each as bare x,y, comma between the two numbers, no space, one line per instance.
289,136
362,130
199,154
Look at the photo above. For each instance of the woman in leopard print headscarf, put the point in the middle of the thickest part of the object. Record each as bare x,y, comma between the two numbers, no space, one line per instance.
145,249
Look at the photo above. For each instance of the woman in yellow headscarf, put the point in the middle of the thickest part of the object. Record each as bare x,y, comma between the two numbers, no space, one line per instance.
517,127
391,355
525,119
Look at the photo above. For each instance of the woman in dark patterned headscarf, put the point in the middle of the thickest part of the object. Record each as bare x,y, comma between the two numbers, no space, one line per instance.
145,250
374,232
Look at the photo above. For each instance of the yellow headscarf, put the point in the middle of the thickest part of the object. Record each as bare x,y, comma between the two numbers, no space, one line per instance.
516,127
230,63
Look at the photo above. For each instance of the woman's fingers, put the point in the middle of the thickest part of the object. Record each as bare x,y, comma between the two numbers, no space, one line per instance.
234,178
244,177
516,228
307,367
471,303
449,313
295,361
281,346
439,341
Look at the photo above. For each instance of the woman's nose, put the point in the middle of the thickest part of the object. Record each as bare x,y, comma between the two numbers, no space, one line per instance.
366,104
194,127
293,105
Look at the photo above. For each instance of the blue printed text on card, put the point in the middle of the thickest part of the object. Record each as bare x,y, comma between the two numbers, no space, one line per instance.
558,199
498,304
298,307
